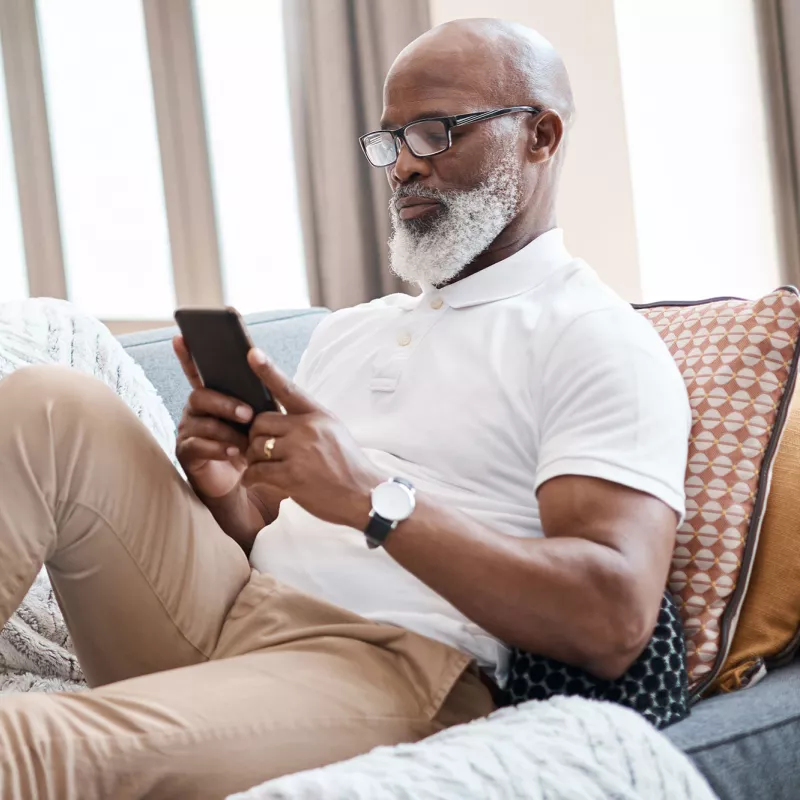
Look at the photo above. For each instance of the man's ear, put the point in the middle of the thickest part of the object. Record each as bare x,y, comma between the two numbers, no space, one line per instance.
545,132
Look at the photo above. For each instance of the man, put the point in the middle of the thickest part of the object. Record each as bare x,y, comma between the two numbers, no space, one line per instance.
496,462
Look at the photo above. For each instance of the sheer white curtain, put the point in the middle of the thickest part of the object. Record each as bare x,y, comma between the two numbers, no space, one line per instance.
105,157
339,52
159,162
13,279
243,77
779,28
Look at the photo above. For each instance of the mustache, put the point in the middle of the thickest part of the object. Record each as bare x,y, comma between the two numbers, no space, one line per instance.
417,190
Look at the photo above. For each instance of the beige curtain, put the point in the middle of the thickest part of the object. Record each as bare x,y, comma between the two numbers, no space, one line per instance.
338,54
779,23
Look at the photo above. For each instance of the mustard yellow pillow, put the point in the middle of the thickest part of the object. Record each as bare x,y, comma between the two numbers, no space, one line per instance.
768,632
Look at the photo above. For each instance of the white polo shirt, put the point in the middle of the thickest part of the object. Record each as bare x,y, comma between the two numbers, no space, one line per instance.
478,393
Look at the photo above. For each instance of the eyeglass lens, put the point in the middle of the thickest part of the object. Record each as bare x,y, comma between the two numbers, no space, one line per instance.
380,148
427,138
424,138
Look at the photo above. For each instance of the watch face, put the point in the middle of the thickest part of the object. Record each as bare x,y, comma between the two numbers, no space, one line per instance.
393,501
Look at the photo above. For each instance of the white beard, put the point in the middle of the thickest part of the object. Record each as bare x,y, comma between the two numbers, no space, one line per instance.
468,222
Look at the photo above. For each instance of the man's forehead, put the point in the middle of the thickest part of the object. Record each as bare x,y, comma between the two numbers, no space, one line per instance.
401,110
417,93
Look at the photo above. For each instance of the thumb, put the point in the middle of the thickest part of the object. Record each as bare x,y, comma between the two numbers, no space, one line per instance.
287,393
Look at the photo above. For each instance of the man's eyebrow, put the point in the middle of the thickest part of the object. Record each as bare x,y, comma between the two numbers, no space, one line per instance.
386,125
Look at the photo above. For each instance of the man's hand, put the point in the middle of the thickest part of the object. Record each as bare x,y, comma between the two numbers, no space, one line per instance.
211,452
213,456
315,460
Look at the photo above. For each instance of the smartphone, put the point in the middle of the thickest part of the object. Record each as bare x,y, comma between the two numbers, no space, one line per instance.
218,340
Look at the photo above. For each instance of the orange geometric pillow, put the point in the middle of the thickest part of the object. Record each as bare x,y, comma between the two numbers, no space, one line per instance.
739,361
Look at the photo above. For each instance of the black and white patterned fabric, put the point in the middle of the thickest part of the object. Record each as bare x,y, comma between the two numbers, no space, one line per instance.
656,685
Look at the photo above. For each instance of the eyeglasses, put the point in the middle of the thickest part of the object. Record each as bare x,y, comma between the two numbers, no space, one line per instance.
425,137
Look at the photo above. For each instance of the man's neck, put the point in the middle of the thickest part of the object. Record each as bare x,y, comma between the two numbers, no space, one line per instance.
510,241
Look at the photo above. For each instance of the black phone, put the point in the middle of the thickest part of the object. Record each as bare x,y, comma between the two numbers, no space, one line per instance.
218,340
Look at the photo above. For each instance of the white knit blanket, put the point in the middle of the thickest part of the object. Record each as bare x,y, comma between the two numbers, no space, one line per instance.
35,651
565,748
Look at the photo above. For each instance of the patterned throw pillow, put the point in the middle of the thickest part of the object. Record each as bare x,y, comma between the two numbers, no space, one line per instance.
655,685
739,361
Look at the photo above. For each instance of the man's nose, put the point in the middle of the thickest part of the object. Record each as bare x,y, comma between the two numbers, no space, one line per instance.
408,167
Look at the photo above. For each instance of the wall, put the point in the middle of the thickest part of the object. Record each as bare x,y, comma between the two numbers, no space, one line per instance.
596,205
667,188
697,134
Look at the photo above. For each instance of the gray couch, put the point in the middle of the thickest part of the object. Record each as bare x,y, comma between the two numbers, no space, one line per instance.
746,744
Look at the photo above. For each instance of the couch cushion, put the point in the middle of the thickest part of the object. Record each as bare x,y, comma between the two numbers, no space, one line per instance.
282,334
768,632
746,744
739,361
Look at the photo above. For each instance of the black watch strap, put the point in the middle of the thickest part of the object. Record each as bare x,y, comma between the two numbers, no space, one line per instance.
378,529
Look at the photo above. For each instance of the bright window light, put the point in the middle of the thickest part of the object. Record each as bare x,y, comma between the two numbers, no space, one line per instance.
106,158
245,92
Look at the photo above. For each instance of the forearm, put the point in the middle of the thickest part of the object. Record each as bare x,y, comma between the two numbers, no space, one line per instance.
565,598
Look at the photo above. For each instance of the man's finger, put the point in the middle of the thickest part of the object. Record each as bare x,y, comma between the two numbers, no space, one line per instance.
257,452
272,423
204,401
196,448
213,430
288,394
187,362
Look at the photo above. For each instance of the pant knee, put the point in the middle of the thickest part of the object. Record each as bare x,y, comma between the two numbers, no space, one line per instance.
73,393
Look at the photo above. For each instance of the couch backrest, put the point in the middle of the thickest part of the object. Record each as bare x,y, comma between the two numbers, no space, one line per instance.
282,334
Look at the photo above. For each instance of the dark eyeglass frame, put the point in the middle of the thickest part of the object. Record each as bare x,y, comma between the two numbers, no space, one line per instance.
399,134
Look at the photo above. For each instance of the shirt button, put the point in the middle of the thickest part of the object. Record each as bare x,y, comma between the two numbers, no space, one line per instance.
437,303
404,339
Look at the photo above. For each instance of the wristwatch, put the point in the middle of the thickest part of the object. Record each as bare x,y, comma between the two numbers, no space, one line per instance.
392,502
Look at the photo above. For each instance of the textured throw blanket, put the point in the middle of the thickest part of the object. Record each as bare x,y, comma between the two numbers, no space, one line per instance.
565,748
35,651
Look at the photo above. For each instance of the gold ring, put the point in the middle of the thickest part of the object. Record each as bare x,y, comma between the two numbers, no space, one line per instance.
269,446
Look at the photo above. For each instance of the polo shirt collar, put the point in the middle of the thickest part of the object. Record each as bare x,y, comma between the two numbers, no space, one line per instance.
514,275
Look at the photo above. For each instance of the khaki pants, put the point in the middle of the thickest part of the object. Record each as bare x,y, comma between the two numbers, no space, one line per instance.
208,677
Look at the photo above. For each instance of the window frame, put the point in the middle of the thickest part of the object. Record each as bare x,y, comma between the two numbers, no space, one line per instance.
183,148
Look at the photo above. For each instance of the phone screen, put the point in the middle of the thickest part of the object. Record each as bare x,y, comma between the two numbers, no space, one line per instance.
218,341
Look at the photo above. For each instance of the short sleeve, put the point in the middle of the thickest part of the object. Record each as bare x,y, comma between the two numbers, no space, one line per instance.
612,405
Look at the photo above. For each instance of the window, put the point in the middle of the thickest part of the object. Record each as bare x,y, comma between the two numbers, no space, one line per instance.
243,76
13,276
115,76
106,158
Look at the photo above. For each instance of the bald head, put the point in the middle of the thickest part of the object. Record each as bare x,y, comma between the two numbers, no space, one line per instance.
507,63
488,187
